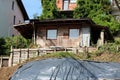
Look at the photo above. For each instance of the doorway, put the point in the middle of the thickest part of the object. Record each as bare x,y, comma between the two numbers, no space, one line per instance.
85,39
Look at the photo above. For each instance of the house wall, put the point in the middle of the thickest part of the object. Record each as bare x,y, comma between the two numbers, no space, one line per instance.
115,10
60,5
7,17
72,6
62,36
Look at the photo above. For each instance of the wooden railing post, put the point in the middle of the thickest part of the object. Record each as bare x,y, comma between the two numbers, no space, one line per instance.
1,62
27,53
38,52
19,56
11,58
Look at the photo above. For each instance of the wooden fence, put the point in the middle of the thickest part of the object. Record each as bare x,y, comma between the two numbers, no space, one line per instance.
4,60
20,55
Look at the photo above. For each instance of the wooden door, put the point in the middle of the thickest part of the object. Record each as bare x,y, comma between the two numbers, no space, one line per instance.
85,40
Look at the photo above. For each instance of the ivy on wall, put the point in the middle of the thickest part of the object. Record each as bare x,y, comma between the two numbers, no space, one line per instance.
50,10
98,10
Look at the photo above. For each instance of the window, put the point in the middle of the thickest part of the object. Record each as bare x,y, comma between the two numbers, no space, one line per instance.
14,19
52,34
73,33
66,3
12,5
73,1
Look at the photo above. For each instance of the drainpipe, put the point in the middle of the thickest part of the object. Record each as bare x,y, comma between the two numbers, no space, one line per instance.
34,33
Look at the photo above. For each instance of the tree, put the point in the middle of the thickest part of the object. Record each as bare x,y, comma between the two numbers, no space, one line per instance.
50,10
17,42
98,11
2,46
49,7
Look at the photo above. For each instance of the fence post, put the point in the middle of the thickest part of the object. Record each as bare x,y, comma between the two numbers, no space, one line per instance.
19,56
38,52
118,48
11,58
27,53
85,50
1,62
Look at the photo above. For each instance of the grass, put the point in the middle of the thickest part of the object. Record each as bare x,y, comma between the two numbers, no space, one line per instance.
56,55
103,57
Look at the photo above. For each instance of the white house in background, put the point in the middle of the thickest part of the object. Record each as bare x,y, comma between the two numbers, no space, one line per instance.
115,10
11,12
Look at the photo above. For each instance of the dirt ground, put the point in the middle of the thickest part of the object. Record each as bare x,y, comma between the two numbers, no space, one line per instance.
6,72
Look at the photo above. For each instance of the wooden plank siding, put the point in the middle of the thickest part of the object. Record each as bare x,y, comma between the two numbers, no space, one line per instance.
62,36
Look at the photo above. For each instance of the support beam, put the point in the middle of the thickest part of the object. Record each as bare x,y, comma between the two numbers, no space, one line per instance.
34,34
102,37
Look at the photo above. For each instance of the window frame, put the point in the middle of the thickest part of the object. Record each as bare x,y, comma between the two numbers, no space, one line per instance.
65,6
13,5
72,1
49,37
76,36
14,20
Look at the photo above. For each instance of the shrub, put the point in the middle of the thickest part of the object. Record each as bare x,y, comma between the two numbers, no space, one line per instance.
110,48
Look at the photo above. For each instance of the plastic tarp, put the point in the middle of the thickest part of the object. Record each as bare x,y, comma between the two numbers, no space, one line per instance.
67,69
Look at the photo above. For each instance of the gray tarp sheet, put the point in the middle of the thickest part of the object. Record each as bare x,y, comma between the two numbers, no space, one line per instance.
67,69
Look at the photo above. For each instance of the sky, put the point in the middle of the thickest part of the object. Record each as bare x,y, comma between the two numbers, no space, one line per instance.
32,7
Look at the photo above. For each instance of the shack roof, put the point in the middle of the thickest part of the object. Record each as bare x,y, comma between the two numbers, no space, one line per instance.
27,29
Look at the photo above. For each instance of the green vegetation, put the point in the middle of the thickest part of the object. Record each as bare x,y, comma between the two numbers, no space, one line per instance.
2,46
98,10
105,57
56,55
106,53
15,42
111,47
49,8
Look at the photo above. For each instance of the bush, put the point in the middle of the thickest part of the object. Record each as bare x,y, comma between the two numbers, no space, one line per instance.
2,46
111,47
15,42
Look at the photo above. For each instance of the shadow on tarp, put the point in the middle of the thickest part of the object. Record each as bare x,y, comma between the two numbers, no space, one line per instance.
67,69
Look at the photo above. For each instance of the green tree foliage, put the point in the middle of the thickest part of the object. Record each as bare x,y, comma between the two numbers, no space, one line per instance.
98,11
50,10
2,46
49,7
15,42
